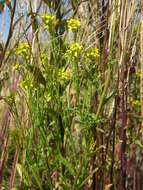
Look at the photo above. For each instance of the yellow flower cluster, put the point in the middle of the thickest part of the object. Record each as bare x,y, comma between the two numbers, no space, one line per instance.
22,49
48,19
45,57
63,75
73,24
74,51
139,74
25,84
47,96
16,66
135,103
92,53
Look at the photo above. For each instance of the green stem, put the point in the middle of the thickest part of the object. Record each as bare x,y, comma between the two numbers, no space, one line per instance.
103,94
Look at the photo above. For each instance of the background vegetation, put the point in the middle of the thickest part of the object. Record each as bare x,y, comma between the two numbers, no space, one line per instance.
71,95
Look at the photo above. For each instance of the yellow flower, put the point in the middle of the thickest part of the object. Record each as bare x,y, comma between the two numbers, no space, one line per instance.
22,49
47,97
74,51
73,24
26,84
63,75
92,144
16,66
139,74
135,103
45,57
48,19
92,53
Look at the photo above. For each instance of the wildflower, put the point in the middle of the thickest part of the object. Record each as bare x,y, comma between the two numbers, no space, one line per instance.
92,53
74,51
22,49
138,74
26,84
10,99
16,66
73,24
47,96
135,103
48,19
62,74
45,57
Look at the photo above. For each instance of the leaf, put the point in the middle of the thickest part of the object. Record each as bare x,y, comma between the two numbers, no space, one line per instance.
85,181
36,176
49,3
100,130
109,96
74,4
37,74
22,173
66,163
138,142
